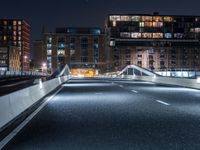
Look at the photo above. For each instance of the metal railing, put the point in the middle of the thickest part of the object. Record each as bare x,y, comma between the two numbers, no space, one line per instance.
20,73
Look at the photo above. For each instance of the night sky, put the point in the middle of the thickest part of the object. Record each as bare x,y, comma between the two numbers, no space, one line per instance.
62,13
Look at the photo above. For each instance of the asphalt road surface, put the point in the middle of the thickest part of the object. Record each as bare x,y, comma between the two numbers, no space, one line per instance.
96,114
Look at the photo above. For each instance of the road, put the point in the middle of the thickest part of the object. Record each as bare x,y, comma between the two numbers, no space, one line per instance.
115,115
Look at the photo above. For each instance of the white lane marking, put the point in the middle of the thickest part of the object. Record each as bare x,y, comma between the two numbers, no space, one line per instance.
98,93
11,135
121,86
134,91
159,101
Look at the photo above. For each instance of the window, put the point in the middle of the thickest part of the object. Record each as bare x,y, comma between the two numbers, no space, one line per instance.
125,18
49,52
168,35
49,40
96,40
157,35
146,18
114,18
148,24
61,45
84,52
84,43
49,46
125,34
178,35
84,59
114,23
14,23
162,63
61,52
112,43
141,24
19,28
5,23
157,24
19,22
135,18
147,35
168,19
72,40
157,19
139,63
197,30
136,35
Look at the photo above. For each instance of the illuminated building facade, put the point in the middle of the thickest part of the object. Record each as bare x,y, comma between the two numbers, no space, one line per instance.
9,59
77,47
154,42
16,33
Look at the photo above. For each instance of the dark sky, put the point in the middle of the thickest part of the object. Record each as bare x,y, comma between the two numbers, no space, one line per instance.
61,13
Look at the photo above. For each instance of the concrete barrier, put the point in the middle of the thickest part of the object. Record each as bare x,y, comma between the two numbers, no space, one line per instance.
190,83
12,105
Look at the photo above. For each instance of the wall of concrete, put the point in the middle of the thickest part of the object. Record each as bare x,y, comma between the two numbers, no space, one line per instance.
14,104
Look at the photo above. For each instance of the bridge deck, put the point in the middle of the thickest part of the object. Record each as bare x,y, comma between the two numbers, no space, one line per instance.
118,115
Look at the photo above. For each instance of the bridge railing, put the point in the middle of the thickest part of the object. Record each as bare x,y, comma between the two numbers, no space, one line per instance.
21,73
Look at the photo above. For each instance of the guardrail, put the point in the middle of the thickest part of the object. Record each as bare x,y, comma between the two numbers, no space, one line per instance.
20,73
184,82
12,105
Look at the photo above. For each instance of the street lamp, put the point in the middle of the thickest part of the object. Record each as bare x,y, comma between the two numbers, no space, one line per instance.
44,67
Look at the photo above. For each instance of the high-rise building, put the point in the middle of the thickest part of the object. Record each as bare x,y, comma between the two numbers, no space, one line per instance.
16,33
77,47
154,41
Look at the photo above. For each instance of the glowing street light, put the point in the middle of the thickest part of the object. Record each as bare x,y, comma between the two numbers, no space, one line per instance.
44,67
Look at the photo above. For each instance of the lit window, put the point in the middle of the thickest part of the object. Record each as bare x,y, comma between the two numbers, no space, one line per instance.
4,38
125,34
19,38
5,22
141,24
148,24
125,18
157,35
114,23
135,18
136,35
157,24
146,18
157,19
61,45
14,23
192,30
19,28
49,52
19,22
114,18
147,35
168,35
178,35
197,30
61,52
14,33
14,38
168,19
19,43
112,43
19,32
49,46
